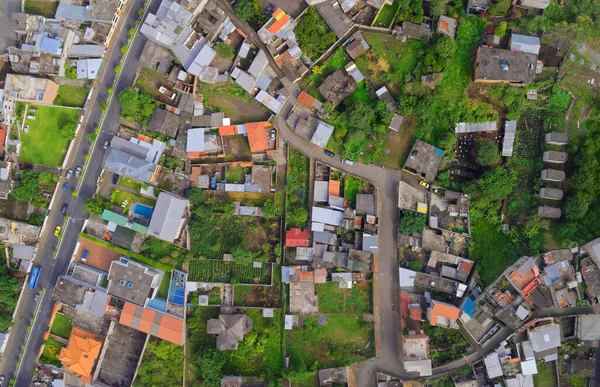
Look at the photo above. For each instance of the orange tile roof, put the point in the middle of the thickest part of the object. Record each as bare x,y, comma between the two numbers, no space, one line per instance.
465,266
404,301
257,136
166,327
228,130
278,14
334,187
441,309
306,99
306,276
297,237
279,23
239,31
81,353
415,313
320,276
2,138
444,26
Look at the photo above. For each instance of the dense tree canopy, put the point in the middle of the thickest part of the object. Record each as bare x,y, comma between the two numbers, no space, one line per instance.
135,107
411,222
250,11
27,187
498,183
9,287
487,154
210,365
96,205
499,7
313,34
162,365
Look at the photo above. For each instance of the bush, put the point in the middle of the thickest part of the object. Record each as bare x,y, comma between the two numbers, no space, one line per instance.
500,29
411,222
69,130
224,50
124,49
96,206
250,11
135,106
313,34
499,8
487,154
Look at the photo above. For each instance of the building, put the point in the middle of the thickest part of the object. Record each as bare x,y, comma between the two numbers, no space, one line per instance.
447,26
383,94
336,87
537,4
150,321
80,355
552,175
442,314
333,377
591,276
475,127
555,157
168,217
322,134
295,237
201,143
477,6
495,65
555,138
26,88
396,122
424,161
132,281
510,130
164,122
356,45
97,11
257,136
366,204
524,43
230,330
416,353
130,166
549,212
134,222
88,68
493,366
545,340
413,31
587,327
551,193
309,101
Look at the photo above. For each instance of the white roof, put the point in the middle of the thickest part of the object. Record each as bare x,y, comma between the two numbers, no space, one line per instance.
344,279
327,216
244,50
529,367
381,91
317,226
520,381
407,277
527,350
322,134
195,140
524,43
289,321
492,365
269,101
522,313
321,192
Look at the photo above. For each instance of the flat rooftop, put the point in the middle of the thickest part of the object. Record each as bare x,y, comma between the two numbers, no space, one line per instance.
495,64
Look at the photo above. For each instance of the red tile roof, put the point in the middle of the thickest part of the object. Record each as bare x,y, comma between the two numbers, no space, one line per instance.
306,99
320,276
465,266
296,237
2,138
441,309
404,301
281,18
228,130
257,136
166,327
415,313
444,26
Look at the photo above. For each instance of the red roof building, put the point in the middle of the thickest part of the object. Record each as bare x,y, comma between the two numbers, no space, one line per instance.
2,138
281,18
257,136
320,276
150,321
296,237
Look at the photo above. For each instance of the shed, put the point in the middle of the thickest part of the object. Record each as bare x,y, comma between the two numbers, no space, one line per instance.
551,193
538,4
321,192
556,138
447,26
396,123
555,157
510,130
524,43
553,175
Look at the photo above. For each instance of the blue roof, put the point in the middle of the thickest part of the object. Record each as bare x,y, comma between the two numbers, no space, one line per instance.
438,151
469,307
51,46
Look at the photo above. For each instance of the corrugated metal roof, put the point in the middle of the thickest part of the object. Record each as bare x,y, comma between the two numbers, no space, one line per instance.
167,214
322,134
327,216
473,127
529,44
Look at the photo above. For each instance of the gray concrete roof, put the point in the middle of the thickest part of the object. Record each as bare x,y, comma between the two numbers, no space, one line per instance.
166,217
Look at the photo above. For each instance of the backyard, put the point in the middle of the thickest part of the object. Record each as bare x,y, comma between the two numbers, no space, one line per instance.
445,344
43,8
258,296
45,134
201,270
118,198
355,301
50,353
229,98
297,189
73,96
161,366
312,82
387,14
149,81
61,326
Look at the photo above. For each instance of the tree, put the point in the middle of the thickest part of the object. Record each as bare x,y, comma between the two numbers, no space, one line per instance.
487,154
250,11
96,205
411,222
161,365
500,29
47,178
27,188
499,8
270,209
297,216
135,106
313,34
445,47
69,130
577,206
498,183
210,364
438,7
195,196
224,50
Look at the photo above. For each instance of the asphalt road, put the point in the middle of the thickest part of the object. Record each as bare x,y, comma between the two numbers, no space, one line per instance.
52,267
7,35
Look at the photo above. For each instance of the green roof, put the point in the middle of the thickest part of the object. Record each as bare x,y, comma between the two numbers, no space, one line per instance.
123,221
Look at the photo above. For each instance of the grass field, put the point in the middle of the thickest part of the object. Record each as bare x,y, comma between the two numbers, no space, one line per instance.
232,100
44,144
118,197
355,301
546,375
61,326
73,96
387,15
50,353
44,8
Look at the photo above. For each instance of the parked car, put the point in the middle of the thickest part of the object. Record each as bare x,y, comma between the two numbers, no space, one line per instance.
329,153
77,172
65,186
57,231
26,128
115,178
424,184
69,174
106,145
349,162
36,297
63,209
30,117
273,134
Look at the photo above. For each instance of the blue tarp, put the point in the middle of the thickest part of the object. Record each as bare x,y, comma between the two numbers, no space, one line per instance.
469,307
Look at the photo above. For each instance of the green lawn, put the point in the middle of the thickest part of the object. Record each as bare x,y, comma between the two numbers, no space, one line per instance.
546,375
355,301
162,365
387,15
73,96
118,197
50,353
61,326
44,8
44,144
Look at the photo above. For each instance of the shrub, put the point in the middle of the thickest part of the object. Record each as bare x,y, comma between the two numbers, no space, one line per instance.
500,29
487,154
411,222
499,8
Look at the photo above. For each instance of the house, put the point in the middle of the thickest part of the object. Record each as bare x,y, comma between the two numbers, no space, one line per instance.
520,380
447,26
593,249
510,130
320,194
98,11
396,122
370,243
212,120
493,65
552,175
333,377
549,212
424,161
150,321
537,4
413,31
200,143
555,138
333,15
493,366
545,340
366,204
295,237
168,217
269,101
551,193
230,330
132,281
336,87
26,88
80,355
309,101
587,327
164,122
524,43
416,353
133,167
555,157
475,127
322,134
356,45
591,277
257,133
280,25
80,296
443,314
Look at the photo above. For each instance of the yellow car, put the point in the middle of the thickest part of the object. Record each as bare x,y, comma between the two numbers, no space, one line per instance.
57,231
424,184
